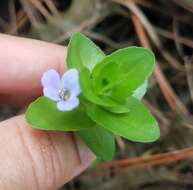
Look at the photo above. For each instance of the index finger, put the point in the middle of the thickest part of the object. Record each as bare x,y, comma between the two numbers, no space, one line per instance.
22,63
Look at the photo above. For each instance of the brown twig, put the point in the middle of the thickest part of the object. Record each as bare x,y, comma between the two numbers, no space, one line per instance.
159,115
189,74
40,7
185,41
85,24
13,17
29,11
120,143
134,9
104,39
21,19
52,7
186,4
158,159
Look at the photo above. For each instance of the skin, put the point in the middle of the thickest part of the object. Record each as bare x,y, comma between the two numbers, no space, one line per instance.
33,159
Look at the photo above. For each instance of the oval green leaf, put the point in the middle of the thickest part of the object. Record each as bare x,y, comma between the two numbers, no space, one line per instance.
43,114
133,67
100,141
137,125
82,52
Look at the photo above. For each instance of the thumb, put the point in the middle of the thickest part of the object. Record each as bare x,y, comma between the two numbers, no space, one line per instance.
33,159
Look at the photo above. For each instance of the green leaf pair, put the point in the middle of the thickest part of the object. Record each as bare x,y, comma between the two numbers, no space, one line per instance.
111,89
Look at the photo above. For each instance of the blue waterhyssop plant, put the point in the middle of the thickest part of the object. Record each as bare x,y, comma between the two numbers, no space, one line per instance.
98,97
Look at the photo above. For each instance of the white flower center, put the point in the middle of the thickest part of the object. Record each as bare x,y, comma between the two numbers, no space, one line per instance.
64,94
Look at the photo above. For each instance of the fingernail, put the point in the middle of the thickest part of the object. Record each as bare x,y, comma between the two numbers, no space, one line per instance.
86,156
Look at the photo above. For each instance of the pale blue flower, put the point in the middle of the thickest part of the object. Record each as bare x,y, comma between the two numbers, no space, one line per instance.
64,91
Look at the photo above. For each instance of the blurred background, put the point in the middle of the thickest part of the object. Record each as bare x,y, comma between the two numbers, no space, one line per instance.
164,26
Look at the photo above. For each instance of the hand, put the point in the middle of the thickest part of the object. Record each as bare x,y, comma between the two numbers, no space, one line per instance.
33,159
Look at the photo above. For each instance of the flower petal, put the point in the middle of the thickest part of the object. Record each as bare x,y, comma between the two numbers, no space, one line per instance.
68,105
70,81
51,93
75,90
51,79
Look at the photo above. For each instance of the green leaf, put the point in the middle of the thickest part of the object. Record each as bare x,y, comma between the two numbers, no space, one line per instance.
105,77
137,125
134,65
88,93
100,141
118,109
124,108
82,52
140,91
43,114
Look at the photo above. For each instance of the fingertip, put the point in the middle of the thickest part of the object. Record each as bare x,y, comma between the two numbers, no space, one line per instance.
45,159
24,61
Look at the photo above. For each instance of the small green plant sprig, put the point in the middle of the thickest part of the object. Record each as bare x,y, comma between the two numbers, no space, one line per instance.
108,101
